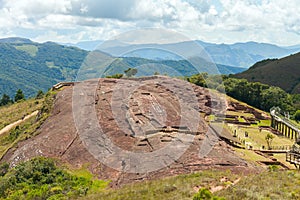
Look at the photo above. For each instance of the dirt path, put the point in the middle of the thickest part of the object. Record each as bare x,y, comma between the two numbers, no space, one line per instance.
12,125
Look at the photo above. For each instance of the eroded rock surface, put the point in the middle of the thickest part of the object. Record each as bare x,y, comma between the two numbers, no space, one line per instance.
145,124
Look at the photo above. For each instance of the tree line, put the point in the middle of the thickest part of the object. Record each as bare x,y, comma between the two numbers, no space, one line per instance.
256,94
19,96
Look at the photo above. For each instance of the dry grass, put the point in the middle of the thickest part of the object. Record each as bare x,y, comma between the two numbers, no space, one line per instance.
16,111
273,184
250,156
27,128
181,187
267,185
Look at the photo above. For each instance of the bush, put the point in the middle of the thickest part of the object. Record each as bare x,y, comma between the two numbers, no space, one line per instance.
19,95
205,194
117,76
39,178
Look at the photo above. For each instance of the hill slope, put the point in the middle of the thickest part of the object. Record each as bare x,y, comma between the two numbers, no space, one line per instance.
33,66
284,73
153,109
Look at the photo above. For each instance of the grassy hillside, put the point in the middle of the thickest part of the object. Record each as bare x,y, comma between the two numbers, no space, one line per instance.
267,185
16,111
42,178
27,128
284,73
182,187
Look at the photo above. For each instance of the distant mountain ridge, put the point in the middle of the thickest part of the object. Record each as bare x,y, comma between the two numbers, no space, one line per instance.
33,66
284,73
237,55
15,40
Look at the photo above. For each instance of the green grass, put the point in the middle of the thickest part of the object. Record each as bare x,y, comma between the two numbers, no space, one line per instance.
250,156
211,118
97,185
257,137
30,49
241,119
267,185
265,122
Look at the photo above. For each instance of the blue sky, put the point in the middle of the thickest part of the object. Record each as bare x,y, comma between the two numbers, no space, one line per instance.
218,21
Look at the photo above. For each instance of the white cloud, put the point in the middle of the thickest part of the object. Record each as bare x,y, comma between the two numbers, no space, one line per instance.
210,20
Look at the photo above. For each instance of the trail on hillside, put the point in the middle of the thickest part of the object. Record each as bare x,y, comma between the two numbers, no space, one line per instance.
16,123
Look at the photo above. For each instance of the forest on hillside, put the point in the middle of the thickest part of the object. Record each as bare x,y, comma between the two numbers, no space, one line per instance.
256,94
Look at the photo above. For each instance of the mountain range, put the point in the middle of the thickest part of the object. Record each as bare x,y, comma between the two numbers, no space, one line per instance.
237,55
32,66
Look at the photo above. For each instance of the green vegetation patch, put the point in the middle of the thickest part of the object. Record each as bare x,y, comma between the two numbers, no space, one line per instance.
266,122
40,178
30,49
51,65
256,137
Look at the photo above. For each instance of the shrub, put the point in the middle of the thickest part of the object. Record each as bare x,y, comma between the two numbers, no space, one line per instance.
205,194
40,178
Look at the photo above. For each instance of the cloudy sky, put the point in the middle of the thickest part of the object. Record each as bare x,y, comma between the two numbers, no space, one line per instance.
219,21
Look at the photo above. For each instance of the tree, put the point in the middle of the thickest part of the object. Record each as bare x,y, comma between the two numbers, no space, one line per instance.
297,115
5,100
39,95
19,95
130,72
198,79
269,138
275,96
